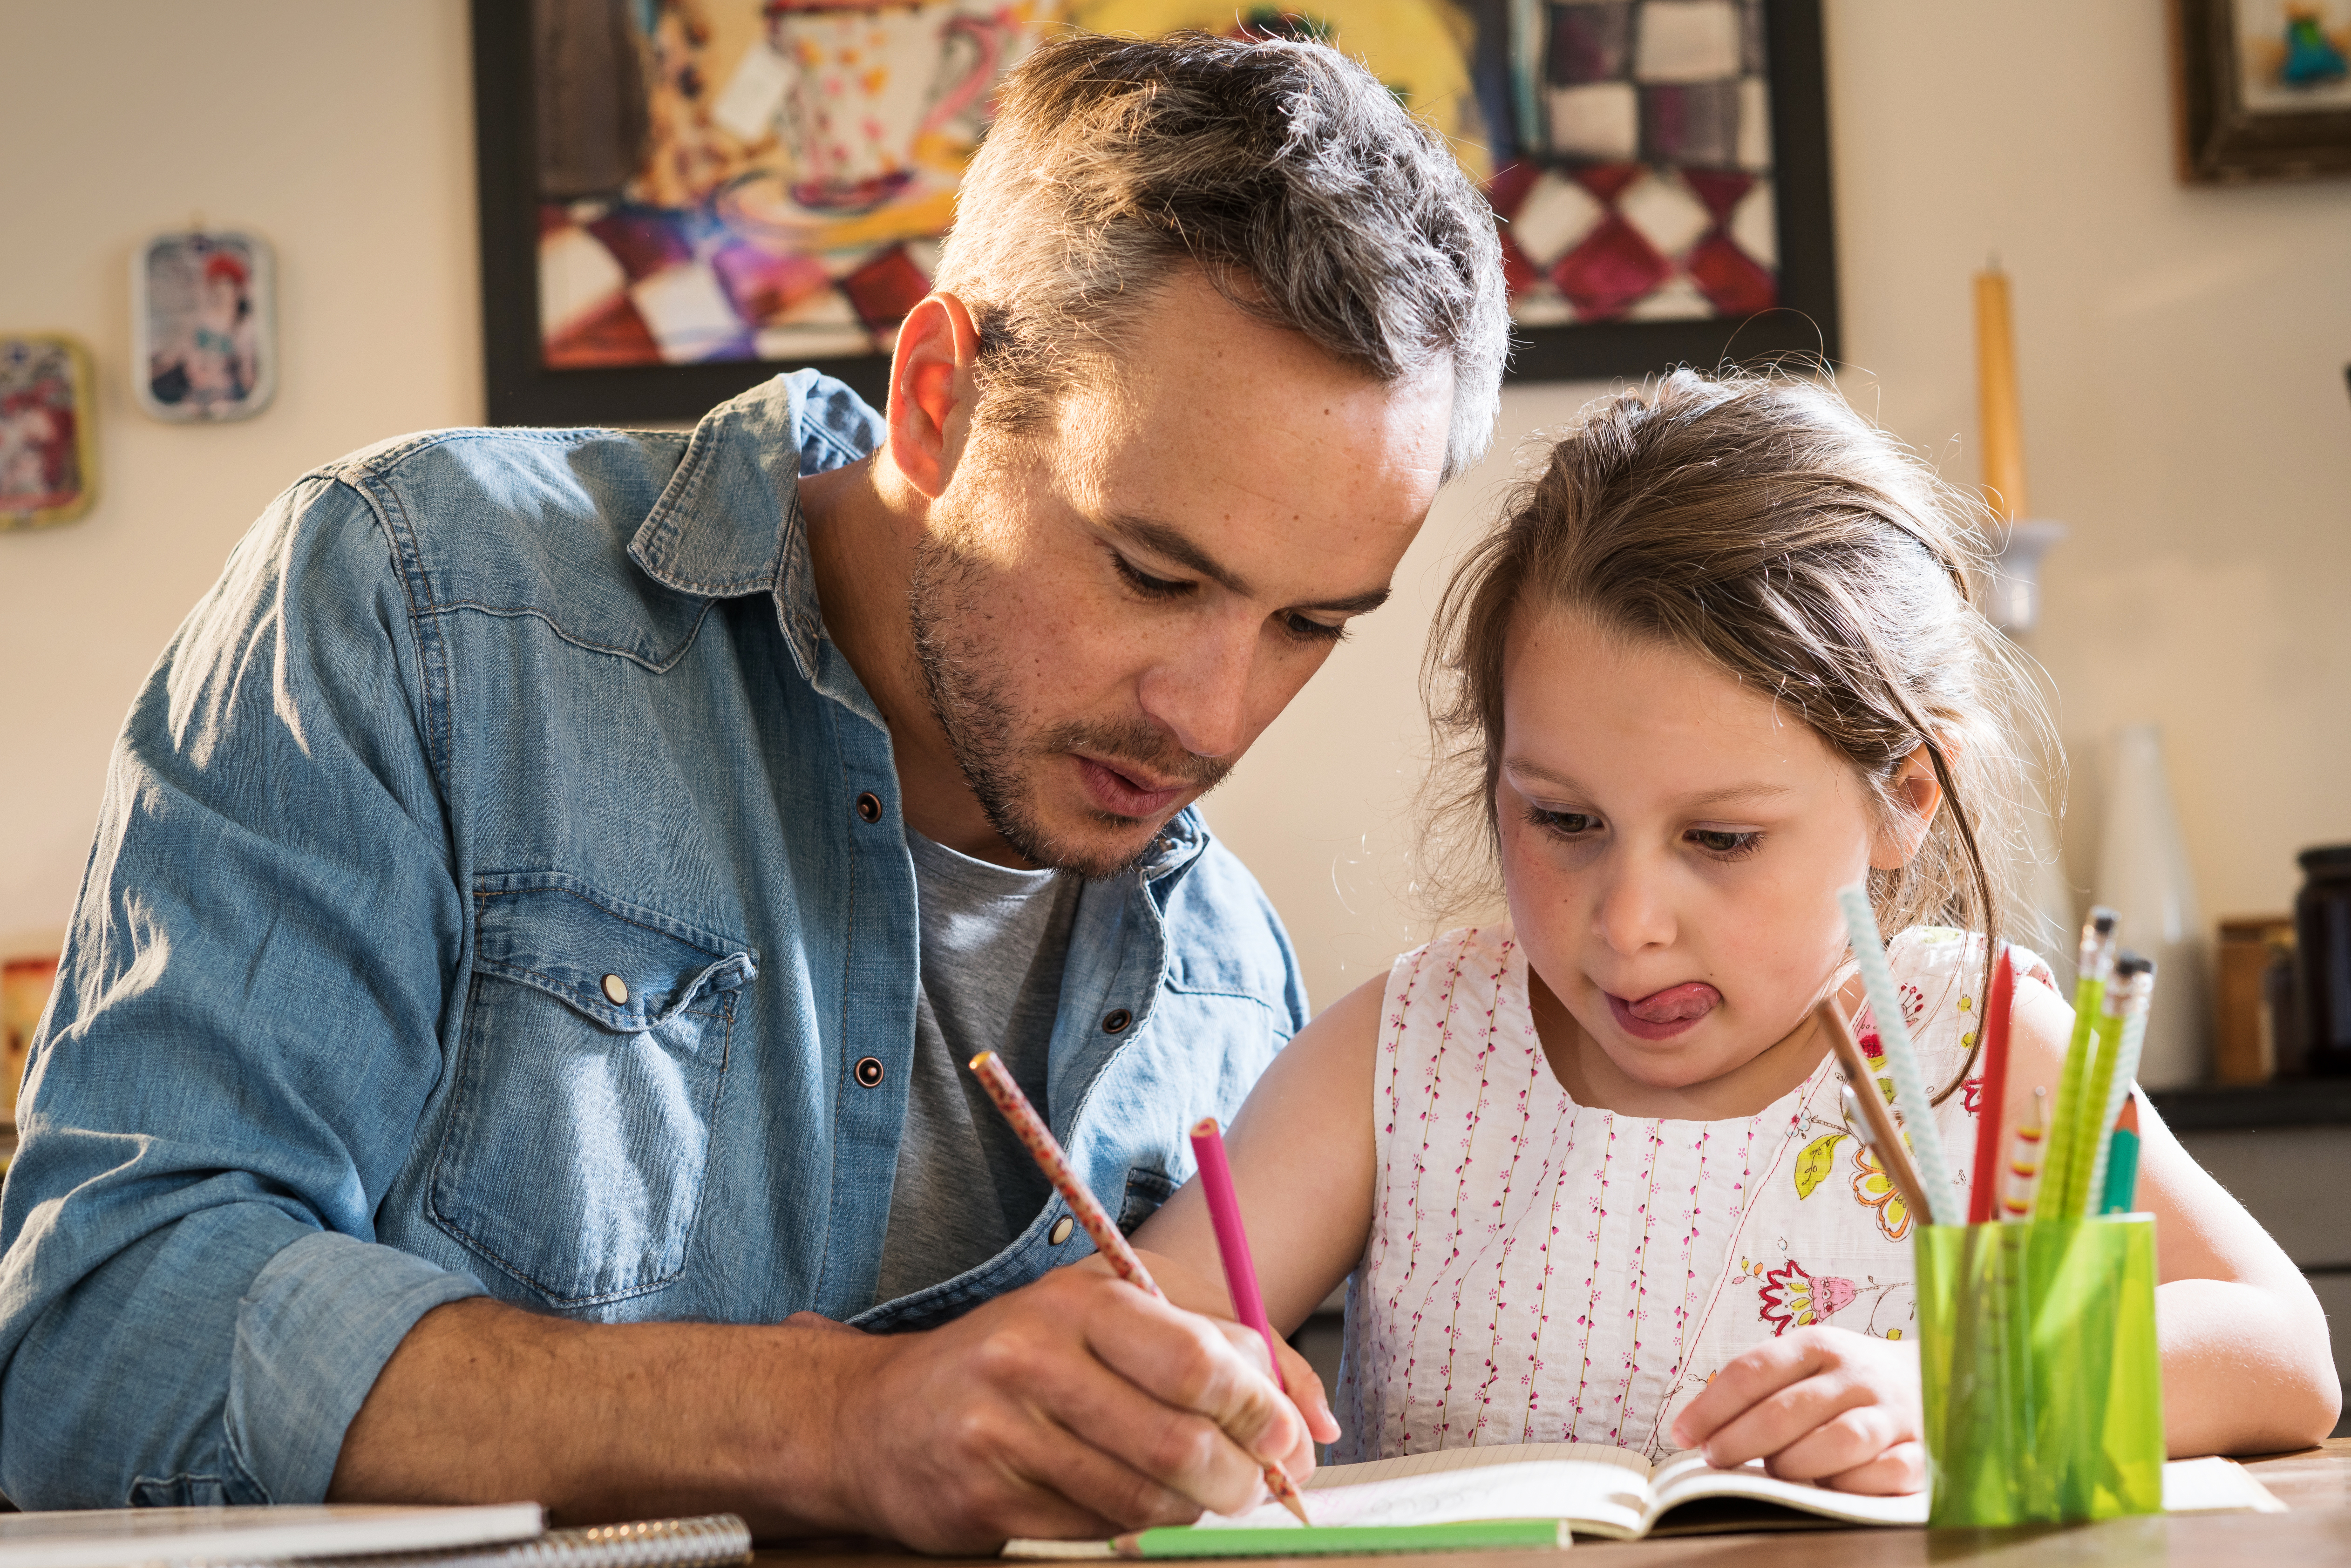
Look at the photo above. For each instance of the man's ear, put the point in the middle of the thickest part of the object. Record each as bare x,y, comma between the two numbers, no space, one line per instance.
931,392
1916,794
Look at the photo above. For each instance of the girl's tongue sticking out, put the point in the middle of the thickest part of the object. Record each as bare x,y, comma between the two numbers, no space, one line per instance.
1664,1014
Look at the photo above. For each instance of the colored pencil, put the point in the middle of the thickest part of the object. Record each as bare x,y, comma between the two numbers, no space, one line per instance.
1883,1137
1942,1205
1046,1150
1232,1239
2025,1160
2121,1190
2096,966
2127,1055
1983,1183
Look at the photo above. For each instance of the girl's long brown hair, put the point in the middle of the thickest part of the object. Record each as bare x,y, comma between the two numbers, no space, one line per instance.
1754,520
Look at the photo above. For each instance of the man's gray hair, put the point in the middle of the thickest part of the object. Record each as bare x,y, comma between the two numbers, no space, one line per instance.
1285,171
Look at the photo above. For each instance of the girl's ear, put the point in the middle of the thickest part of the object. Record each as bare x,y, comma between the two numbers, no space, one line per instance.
1916,794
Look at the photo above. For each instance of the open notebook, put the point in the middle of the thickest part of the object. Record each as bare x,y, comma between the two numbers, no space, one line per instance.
1455,1499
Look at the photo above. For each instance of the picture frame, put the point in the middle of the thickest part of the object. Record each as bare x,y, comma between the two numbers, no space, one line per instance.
2263,89
48,420
657,234
203,326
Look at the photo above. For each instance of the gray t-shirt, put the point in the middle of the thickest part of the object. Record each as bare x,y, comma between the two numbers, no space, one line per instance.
993,943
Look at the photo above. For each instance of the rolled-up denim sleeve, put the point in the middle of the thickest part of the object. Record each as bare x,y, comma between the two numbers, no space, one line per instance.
246,1033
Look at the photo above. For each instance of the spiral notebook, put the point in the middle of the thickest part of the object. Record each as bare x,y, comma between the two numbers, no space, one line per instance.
507,1535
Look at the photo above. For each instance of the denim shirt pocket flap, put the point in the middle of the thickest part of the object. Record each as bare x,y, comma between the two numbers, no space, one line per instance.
631,969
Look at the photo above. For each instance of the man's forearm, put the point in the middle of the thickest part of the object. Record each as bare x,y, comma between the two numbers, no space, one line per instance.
483,1402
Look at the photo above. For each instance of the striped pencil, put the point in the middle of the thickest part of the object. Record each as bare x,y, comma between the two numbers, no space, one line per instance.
1046,1150
1943,1207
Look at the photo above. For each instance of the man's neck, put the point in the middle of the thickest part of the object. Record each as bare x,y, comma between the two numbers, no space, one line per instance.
860,545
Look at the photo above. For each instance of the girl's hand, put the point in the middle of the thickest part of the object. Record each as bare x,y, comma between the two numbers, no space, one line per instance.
1815,1405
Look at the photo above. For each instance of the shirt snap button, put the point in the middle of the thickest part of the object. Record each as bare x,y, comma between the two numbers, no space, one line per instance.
1116,1020
1061,1228
869,1071
616,990
868,806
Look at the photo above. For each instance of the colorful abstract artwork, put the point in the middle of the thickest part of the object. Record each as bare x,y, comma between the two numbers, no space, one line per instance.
48,472
2264,88
204,313
2294,55
765,182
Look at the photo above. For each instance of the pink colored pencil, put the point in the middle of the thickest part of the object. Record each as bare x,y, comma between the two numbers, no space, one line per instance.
1046,1150
1232,1241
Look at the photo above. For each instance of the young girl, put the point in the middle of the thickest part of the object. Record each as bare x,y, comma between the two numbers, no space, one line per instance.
1586,1170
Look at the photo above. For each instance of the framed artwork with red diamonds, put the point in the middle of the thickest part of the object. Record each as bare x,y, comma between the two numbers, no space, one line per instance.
681,197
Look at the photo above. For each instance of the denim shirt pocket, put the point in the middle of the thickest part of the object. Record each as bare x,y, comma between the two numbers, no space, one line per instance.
592,1057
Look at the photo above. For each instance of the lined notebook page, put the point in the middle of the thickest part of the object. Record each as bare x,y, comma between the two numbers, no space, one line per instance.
1438,1461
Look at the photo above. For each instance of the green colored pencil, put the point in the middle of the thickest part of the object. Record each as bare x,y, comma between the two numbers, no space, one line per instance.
2097,963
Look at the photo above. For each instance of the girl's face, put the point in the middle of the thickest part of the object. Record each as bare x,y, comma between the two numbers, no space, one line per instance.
1672,847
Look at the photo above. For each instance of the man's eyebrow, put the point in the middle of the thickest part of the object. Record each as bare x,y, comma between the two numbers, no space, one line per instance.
1170,543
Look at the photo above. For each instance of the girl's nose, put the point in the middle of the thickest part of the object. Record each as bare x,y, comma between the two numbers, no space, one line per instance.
1635,911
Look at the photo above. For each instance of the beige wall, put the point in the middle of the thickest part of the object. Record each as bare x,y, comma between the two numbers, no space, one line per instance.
2181,355
341,133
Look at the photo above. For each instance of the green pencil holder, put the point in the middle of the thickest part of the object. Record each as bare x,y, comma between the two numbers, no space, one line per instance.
2038,1361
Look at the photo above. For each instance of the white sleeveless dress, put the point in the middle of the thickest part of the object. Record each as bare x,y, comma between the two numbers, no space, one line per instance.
1542,1272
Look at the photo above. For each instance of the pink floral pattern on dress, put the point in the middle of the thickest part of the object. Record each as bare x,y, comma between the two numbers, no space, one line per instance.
1793,1299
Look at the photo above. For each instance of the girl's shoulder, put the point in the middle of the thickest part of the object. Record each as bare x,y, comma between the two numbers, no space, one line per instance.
1944,954
1474,968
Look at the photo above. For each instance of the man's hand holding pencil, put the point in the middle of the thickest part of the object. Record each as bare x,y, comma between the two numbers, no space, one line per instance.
1079,1407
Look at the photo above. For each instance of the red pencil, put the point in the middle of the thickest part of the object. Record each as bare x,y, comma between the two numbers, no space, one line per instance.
1984,1188
1046,1150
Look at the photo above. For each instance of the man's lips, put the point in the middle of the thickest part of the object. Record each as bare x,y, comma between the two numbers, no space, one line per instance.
1121,792
1661,1015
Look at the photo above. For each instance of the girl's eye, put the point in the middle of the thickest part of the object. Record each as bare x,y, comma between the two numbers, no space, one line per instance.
1728,846
1566,824
1147,586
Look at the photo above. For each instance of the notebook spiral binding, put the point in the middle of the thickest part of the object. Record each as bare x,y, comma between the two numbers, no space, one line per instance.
710,1541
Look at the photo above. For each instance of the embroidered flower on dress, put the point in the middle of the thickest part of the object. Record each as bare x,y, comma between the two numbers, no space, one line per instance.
1793,1299
1873,1189
1864,1028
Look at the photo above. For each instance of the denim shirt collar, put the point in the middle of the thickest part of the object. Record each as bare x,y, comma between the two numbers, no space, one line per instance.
729,521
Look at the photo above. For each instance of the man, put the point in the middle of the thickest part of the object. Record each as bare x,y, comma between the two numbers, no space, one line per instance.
514,1017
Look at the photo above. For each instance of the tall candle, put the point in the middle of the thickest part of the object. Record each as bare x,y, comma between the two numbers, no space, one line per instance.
2003,428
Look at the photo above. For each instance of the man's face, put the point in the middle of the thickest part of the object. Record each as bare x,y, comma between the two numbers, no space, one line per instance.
1107,613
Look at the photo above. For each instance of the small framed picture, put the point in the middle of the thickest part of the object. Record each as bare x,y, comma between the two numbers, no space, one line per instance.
2264,88
203,314
48,472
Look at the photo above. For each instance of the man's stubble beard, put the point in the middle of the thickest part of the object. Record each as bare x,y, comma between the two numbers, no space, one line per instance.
964,679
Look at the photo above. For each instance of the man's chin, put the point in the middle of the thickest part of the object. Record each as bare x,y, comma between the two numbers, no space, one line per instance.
1097,847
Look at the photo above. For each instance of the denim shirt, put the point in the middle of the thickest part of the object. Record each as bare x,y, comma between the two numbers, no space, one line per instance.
500,888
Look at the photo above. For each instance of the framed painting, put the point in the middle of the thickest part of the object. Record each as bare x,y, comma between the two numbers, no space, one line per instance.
48,469
673,205
203,317
2264,89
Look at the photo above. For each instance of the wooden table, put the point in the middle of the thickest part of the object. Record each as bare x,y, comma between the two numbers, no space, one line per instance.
2315,1484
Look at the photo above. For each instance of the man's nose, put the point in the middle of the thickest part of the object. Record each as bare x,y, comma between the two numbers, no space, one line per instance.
1635,909
1200,689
